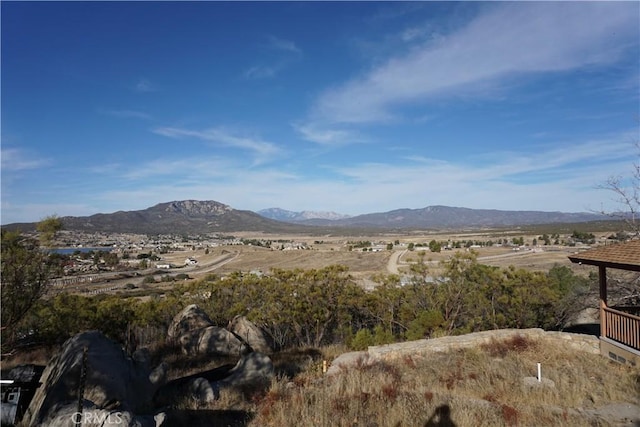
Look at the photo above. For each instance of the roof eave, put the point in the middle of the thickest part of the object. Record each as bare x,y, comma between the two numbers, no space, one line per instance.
608,264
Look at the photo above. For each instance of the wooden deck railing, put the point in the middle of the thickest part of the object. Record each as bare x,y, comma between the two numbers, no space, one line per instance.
622,327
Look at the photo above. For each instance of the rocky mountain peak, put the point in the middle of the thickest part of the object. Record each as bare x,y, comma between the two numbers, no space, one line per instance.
197,207
285,215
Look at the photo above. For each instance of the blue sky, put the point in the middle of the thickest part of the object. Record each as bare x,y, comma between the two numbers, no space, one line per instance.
353,107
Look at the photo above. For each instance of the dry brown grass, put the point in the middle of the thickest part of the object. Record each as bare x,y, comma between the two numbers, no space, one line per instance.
482,386
476,387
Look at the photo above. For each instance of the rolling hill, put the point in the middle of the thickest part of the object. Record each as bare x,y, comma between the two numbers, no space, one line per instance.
177,217
202,217
446,217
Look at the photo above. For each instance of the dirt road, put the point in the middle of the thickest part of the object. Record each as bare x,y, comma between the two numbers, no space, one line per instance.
394,260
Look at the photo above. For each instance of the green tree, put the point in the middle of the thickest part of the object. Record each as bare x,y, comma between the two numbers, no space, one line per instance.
25,272
316,302
573,290
382,336
386,305
528,299
424,324
362,340
48,228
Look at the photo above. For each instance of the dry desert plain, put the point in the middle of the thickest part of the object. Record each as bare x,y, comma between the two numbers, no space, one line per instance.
330,250
324,251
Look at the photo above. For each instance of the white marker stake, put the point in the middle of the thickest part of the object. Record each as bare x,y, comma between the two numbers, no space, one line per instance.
539,373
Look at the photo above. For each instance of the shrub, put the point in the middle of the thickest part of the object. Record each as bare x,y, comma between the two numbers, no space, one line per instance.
381,335
515,344
362,340
423,325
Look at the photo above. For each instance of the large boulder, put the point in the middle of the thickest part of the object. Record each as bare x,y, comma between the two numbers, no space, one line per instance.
115,386
194,388
196,334
189,319
211,340
252,370
250,333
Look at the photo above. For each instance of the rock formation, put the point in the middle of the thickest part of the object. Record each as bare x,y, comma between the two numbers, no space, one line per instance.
252,370
196,334
189,319
116,387
251,334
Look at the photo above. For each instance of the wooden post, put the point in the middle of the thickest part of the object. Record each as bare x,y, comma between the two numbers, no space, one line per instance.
602,276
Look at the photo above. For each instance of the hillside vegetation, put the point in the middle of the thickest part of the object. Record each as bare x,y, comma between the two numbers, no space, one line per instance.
313,315
324,306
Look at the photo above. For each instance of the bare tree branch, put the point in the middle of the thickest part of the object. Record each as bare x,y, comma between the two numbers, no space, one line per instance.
626,191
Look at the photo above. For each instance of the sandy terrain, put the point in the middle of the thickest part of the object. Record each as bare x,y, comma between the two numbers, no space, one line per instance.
248,258
331,250
362,265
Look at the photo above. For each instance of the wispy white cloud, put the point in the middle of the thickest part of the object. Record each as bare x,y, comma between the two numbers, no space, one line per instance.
563,178
507,39
280,54
15,159
511,181
413,33
263,71
235,184
328,136
564,159
145,85
284,45
185,168
263,151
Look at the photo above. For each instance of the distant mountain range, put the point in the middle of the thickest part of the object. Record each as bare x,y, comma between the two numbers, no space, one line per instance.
202,217
178,217
446,217
291,216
